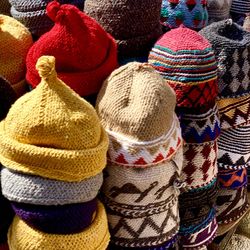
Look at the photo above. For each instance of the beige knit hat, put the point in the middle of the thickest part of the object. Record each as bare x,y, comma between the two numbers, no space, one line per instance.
143,110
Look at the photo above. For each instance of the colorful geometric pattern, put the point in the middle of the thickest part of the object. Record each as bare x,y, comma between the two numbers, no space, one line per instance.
144,154
200,164
200,128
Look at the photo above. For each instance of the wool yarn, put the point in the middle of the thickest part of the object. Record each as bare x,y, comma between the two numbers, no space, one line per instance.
15,41
66,219
85,54
96,237
134,24
72,144
218,10
192,13
32,14
246,25
244,226
136,107
35,190
231,46
238,241
5,7
240,6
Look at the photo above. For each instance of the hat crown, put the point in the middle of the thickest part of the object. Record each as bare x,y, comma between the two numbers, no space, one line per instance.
52,115
137,102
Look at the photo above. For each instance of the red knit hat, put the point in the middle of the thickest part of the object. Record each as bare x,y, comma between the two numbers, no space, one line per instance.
85,53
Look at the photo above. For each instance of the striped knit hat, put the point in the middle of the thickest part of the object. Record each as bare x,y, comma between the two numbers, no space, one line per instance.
218,10
240,6
4,7
192,13
145,144
32,13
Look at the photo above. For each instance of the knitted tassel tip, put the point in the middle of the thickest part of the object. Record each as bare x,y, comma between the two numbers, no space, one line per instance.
46,67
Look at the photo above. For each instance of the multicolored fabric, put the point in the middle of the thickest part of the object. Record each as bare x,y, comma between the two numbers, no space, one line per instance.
192,13
234,111
200,128
233,179
231,204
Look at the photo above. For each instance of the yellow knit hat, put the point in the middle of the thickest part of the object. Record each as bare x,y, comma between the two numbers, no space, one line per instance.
15,41
95,237
52,132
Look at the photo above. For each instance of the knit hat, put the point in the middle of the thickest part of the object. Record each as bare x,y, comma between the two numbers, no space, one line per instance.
246,25
238,241
218,10
134,24
32,14
35,190
66,219
15,41
192,13
96,237
244,226
52,132
240,6
85,54
4,7
231,46
186,60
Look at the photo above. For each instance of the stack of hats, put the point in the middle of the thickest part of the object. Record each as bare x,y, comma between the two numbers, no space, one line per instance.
145,157
218,10
7,98
134,24
192,13
32,14
232,49
239,9
85,54
15,41
5,7
53,148
187,62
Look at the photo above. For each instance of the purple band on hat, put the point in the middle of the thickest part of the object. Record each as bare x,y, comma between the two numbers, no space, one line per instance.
66,219
201,238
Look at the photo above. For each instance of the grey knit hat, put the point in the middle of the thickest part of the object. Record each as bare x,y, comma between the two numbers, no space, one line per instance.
218,10
4,7
134,24
32,13
41,191
231,44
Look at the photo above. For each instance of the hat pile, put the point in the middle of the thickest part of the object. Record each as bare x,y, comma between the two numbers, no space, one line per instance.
7,98
232,45
5,7
218,10
187,62
85,54
53,148
192,13
134,24
15,41
141,185
32,13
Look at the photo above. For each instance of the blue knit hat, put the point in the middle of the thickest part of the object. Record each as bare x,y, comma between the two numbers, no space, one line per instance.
192,13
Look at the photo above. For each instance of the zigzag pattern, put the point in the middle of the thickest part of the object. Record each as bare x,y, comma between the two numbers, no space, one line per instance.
234,112
233,178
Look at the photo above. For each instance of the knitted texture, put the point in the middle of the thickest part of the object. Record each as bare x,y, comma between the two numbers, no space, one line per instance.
231,46
42,191
52,132
201,238
218,10
4,7
192,13
240,6
246,25
32,14
134,24
200,164
85,54
143,110
95,237
244,226
234,148
66,219
231,204
15,41
238,241
234,111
